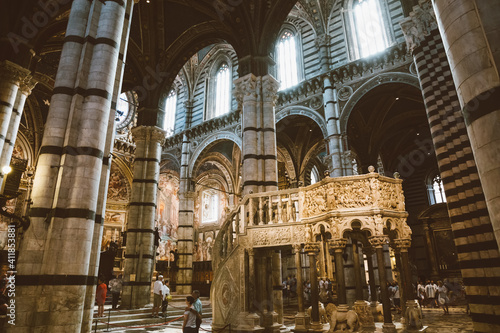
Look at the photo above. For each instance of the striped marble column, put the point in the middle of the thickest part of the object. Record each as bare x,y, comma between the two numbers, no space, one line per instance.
472,48
11,77
257,95
25,88
330,103
268,132
56,251
185,243
478,251
106,164
140,251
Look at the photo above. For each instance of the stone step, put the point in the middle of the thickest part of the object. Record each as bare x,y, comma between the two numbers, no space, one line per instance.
121,319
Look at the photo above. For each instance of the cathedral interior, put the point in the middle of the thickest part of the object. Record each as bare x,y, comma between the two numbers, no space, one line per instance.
230,144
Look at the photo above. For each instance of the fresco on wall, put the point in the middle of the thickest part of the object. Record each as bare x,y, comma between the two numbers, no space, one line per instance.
167,215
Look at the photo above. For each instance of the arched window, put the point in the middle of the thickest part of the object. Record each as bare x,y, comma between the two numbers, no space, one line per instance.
288,73
314,175
370,34
222,90
209,206
435,190
170,107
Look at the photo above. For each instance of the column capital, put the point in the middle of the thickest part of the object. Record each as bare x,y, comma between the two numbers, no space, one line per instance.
251,252
403,244
337,244
148,133
13,73
378,241
189,104
27,85
311,248
419,24
270,87
245,86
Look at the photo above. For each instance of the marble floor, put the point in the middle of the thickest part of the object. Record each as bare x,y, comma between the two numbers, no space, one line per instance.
456,322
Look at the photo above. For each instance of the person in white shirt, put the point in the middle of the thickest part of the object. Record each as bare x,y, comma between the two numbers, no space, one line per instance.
164,304
157,291
430,291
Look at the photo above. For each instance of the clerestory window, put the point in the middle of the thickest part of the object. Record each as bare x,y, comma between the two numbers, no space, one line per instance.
370,34
287,61
222,90
170,108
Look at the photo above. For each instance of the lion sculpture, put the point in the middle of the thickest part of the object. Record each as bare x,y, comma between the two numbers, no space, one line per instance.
341,320
322,314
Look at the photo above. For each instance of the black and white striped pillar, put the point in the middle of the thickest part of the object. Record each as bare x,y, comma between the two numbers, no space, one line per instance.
473,232
55,254
257,95
140,252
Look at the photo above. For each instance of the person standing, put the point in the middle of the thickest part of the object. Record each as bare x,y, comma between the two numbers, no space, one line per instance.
100,296
198,308
166,294
430,291
190,316
443,300
115,287
157,295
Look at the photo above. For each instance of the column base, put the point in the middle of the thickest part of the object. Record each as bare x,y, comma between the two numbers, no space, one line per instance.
302,322
413,315
270,322
377,312
389,328
364,312
316,327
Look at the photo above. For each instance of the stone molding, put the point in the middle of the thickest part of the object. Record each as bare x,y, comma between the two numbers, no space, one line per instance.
419,24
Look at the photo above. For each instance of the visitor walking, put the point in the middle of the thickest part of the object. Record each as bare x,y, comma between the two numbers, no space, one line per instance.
115,287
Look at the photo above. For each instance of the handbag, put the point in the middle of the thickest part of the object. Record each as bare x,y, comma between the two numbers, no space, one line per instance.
169,297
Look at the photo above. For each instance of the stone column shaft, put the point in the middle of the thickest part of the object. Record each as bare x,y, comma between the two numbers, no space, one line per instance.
339,274
11,97
312,250
25,88
377,242
257,95
463,112
106,165
472,51
140,252
185,243
301,318
277,291
357,271
371,276
69,169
